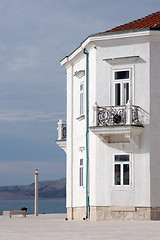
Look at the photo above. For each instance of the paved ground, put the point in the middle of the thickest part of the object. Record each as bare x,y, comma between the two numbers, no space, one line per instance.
54,227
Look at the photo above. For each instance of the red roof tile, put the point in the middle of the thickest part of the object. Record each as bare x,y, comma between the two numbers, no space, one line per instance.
150,21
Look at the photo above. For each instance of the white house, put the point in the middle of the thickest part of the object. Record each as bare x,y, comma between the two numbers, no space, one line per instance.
113,124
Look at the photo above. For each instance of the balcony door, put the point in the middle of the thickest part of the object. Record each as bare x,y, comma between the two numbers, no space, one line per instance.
122,87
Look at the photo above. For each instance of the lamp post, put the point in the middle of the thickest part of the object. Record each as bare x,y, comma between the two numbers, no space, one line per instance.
36,193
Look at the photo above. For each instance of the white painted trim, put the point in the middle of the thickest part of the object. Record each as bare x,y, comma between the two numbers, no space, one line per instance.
122,81
130,68
92,39
81,117
62,144
117,130
79,74
131,133
81,92
130,162
122,60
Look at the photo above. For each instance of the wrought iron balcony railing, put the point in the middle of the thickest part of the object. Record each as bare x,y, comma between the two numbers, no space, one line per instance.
118,115
62,131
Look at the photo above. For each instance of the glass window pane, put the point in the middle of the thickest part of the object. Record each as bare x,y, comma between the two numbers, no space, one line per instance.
126,92
81,176
117,94
81,162
81,103
122,75
121,158
117,174
125,174
81,87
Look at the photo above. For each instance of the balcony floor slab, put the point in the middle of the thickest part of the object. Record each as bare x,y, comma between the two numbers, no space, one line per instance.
62,144
118,133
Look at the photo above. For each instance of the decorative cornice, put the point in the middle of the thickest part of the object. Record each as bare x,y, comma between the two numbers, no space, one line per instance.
91,40
121,60
79,74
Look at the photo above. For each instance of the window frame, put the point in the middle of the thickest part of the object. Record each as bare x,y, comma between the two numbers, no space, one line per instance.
81,173
129,80
122,163
81,99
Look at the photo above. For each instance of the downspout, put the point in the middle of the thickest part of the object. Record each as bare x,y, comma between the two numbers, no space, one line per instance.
72,144
87,133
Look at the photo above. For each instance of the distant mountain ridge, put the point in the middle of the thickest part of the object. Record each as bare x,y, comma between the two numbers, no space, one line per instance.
46,189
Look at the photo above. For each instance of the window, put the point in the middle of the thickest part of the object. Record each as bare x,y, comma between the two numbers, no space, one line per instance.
122,87
122,169
81,173
122,75
81,99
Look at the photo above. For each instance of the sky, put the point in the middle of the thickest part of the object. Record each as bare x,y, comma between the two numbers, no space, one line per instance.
35,36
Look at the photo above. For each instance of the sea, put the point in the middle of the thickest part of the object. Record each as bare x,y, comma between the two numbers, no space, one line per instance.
44,206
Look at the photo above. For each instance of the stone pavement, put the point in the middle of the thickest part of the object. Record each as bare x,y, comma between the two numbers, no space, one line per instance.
54,227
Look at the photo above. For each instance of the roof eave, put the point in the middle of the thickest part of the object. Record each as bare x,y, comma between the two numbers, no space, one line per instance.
76,51
119,32
107,36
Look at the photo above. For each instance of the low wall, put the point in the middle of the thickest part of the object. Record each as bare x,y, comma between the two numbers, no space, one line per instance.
114,213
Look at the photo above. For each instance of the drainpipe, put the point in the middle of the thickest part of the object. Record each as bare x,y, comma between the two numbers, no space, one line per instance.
71,144
87,133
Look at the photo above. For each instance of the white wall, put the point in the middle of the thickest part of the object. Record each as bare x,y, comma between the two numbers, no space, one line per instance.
69,157
139,193
101,189
155,123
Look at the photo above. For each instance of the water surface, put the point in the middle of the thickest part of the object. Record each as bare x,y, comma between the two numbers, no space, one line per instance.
44,206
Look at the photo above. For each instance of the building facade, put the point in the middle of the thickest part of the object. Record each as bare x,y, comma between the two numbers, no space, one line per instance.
113,131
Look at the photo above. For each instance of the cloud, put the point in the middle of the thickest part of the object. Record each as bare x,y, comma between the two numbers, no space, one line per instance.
2,47
31,116
23,57
21,63
19,166
22,172
34,38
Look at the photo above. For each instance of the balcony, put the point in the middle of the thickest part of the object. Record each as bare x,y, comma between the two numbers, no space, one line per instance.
62,134
118,124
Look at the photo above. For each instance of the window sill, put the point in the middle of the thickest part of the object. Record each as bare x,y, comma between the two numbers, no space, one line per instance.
81,117
122,187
